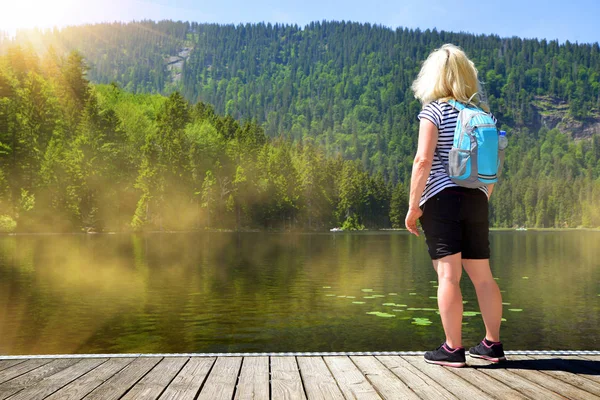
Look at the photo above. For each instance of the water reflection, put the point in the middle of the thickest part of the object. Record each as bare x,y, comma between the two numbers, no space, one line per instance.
228,292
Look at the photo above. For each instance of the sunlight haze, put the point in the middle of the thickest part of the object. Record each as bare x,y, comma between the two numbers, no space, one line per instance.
531,19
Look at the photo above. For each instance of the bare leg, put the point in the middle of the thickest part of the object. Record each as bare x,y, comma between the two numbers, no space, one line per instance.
449,270
488,296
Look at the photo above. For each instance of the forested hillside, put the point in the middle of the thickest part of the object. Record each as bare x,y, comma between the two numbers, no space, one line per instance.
345,89
75,156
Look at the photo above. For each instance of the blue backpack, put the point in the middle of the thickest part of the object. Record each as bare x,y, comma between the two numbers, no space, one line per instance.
474,160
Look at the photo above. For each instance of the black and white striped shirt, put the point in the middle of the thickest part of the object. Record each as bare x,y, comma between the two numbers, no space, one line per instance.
443,116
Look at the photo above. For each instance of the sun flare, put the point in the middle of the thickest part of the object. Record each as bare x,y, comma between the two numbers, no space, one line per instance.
27,14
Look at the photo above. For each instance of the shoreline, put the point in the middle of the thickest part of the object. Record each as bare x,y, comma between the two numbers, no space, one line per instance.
2,234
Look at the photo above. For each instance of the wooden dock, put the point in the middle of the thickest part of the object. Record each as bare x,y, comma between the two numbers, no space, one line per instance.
296,377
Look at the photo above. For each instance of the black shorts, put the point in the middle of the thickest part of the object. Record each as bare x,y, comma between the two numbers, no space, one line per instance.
456,221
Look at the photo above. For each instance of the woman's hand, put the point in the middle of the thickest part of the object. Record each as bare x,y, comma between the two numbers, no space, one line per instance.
411,220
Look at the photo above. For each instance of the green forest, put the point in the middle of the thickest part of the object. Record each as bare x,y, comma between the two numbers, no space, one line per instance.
260,126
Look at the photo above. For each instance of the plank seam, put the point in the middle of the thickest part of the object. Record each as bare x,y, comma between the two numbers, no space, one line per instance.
301,377
523,378
380,394
142,377
333,376
237,380
270,380
72,380
173,378
481,392
101,383
488,377
26,372
14,365
205,379
559,378
551,378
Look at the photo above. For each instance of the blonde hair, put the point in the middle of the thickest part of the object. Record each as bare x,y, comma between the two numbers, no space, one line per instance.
448,74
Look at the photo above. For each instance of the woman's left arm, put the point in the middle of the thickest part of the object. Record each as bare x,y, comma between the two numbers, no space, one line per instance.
428,137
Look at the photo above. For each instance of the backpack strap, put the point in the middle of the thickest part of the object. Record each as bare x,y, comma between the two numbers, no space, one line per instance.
460,106
457,105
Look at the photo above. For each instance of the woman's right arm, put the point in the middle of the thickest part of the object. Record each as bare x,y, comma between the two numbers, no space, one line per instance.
428,137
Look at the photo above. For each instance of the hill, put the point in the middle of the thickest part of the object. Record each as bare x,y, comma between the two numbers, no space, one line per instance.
345,87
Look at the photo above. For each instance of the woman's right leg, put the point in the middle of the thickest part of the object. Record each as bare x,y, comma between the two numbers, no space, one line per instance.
488,296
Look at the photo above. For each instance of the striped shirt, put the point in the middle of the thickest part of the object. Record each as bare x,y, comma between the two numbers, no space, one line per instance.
443,116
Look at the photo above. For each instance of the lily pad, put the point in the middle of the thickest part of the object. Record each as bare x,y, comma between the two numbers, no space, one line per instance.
358,302
398,310
381,314
413,309
422,321
515,309
326,287
432,281
412,294
392,294
378,295
429,309
525,277
341,296
330,295
506,304
433,297
465,301
368,297
366,290
470,313
388,304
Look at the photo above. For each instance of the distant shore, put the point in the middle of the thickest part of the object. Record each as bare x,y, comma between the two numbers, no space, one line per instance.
274,231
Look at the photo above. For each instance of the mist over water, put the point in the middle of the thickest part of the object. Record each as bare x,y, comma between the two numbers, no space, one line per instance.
258,292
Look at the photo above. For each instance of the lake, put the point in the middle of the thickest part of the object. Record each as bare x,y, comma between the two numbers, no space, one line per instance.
274,292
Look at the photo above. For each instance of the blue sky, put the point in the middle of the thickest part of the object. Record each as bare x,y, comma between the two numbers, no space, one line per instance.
575,20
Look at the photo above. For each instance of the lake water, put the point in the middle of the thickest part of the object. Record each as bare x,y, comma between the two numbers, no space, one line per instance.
262,292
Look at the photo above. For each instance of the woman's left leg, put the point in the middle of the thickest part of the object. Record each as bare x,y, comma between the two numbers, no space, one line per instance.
449,271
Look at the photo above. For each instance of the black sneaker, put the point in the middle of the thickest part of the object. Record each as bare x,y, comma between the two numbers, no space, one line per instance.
446,356
488,351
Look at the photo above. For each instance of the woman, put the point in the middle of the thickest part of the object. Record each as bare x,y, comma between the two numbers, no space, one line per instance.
454,219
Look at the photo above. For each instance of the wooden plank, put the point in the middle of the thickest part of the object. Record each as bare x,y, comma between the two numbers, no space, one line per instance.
34,376
502,373
22,368
491,386
547,381
155,382
254,379
120,383
351,381
388,385
80,387
9,363
577,365
187,383
54,382
556,369
457,386
318,381
286,383
592,358
420,383
220,383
